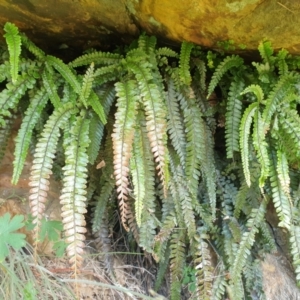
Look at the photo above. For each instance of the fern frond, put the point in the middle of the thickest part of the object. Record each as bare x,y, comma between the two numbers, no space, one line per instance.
97,57
177,260
153,103
200,65
204,276
295,249
87,85
266,51
51,88
283,173
228,63
282,88
95,103
10,96
122,140
184,63
73,194
256,90
261,147
13,41
23,138
247,241
268,237
165,51
175,123
40,54
279,197
138,177
42,163
244,138
219,284
162,269
65,72
5,132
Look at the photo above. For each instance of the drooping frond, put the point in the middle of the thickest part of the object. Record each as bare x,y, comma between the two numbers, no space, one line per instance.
10,96
97,57
65,72
184,63
73,194
204,275
138,177
228,63
279,197
95,103
87,85
122,140
175,123
32,47
51,88
23,138
233,117
283,173
295,249
177,259
282,88
247,241
13,41
162,269
261,147
42,163
244,138
149,221
153,103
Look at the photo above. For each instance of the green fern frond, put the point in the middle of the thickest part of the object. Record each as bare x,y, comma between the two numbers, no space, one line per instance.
108,71
233,117
228,63
279,197
261,147
40,54
51,88
256,90
244,138
162,269
153,103
5,132
43,161
175,123
95,133
283,172
65,72
184,63
98,58
235,229
138,177
295,249
122,140
165,51
201,67
266,51
282,88
95,103
10,96
13,41
177,260
268,237
73,194
281,63
87,85
202,262
23,138
247,241
219,284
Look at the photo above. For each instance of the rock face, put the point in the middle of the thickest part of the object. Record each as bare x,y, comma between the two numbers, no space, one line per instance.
91,23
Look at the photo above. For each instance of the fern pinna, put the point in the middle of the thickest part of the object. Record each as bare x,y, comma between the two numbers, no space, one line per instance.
142,129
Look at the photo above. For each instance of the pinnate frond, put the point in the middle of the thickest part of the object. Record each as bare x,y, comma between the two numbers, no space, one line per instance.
184,63
51,88
295,249
87,85
24,135
122,136
39,53
73,194
13,41
43,161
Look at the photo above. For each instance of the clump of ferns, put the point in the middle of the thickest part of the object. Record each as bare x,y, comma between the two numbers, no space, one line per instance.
177,195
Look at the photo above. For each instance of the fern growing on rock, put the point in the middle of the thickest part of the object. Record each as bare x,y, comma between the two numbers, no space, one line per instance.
138,129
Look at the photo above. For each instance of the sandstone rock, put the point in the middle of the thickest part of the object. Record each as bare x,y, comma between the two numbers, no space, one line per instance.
82,24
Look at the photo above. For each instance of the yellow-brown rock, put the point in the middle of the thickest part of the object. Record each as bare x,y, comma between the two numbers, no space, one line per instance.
87,23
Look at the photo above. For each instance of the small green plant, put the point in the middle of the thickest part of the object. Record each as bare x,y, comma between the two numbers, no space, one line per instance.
189,278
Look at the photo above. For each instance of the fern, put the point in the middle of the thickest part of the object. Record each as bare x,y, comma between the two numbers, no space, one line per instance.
228,63
233,117
73,199
243,252
5,132
87,85
122,141
96,58
42,164
184,63
23,139
51,88
13,41
40,54
295,249
244,139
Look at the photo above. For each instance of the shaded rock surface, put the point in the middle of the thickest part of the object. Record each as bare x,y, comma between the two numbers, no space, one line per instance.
100,23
